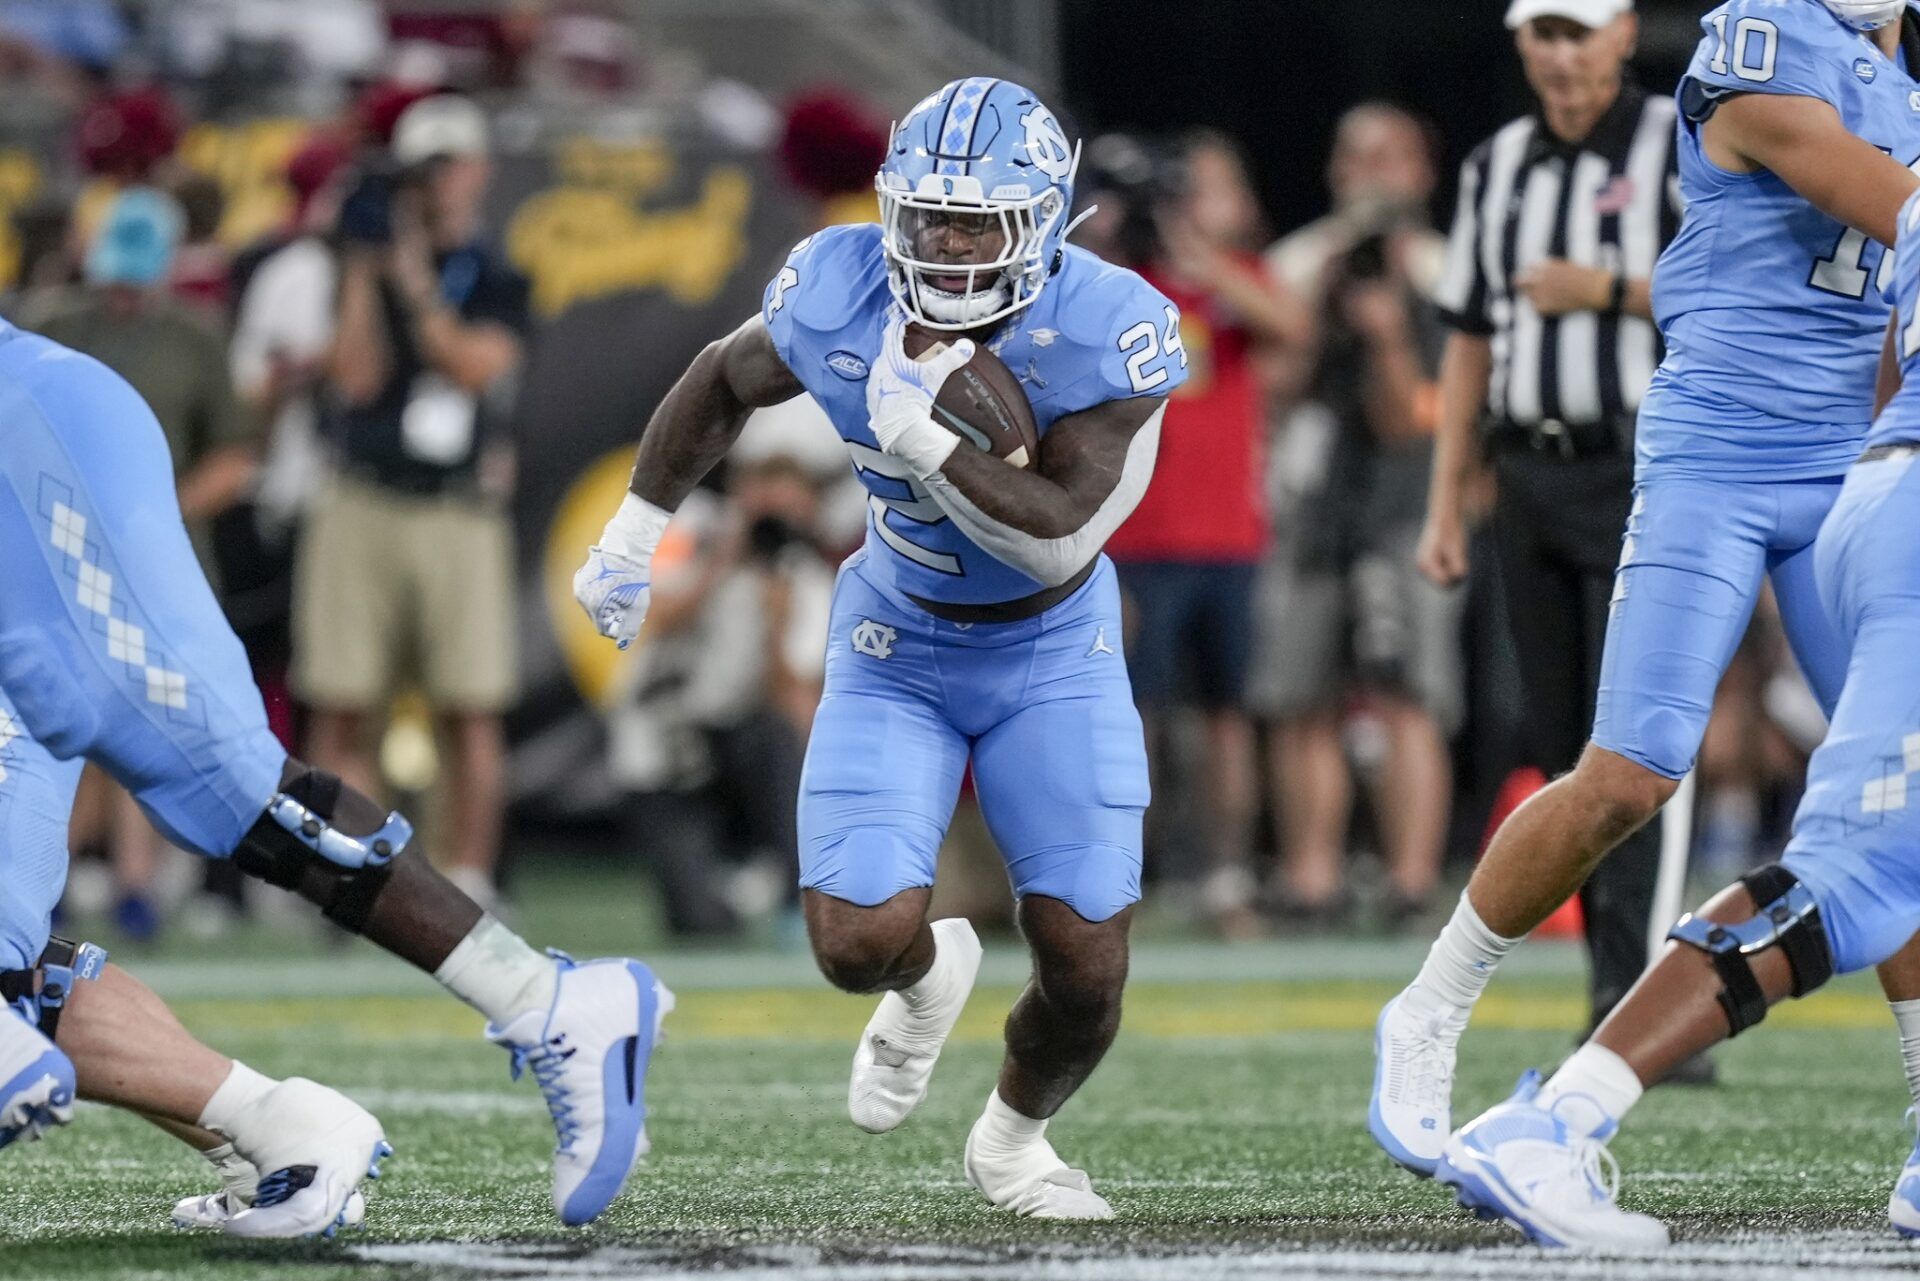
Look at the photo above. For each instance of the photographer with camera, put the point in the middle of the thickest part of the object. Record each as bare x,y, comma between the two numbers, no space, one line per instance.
411,531
1190,224
1343,614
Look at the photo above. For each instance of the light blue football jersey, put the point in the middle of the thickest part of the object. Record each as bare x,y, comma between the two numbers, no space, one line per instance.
1772,311
1900,421
1096,333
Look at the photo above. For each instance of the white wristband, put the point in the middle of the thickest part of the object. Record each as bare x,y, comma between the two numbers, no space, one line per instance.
635,529
924,446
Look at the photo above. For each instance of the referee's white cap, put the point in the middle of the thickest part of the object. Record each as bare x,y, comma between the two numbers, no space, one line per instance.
1588,13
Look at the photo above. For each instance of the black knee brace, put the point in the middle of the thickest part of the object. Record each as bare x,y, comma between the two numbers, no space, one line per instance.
1788,919
50,982
294,844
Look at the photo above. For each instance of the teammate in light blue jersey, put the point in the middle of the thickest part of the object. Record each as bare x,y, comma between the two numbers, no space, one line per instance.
113,650
1798,119
979,624
1845,896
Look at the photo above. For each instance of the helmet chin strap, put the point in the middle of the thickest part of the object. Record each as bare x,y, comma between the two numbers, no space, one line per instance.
963,307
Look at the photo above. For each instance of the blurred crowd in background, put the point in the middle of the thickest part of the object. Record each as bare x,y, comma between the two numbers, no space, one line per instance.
281,221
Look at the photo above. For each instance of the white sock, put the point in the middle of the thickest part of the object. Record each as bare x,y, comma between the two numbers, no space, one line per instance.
1003,1131
226,1112
1906,1016
496,972
237,1174
1459,964
1592,1091
931,1000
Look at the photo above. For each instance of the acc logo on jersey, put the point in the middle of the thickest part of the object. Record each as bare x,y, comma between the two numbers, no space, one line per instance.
847,365
1047,143
875,640
1865,69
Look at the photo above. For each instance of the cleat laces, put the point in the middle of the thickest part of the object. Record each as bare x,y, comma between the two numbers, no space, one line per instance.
1427,1080
548,1061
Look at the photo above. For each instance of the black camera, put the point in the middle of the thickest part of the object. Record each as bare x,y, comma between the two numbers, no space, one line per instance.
366,214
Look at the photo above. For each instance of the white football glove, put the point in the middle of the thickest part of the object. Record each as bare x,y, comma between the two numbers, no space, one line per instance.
900,396
616,583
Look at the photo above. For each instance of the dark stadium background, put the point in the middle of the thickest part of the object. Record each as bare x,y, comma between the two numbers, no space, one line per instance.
1276,74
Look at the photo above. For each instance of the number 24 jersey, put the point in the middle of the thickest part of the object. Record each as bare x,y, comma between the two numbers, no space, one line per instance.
1096,333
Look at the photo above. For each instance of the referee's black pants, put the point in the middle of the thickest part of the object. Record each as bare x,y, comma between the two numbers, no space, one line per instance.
1557,526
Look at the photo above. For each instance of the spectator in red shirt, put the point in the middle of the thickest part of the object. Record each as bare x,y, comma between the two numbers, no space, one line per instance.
1188,554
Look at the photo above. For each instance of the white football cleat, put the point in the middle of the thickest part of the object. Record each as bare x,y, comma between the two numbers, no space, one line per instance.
893,1064
36,1081
1520,1162
313,1145
215,1208
1032,1182
589,1054
1411,1113
1903,1207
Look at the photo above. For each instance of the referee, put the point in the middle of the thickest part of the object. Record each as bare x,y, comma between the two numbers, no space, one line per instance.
1547,293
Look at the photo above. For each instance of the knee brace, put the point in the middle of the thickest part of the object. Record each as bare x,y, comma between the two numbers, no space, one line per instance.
297,845
49,984
1788,919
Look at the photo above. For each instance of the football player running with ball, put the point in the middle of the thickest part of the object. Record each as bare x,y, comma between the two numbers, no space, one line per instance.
979,622
1797,119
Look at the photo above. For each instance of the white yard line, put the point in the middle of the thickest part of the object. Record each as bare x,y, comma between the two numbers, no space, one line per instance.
1855,1255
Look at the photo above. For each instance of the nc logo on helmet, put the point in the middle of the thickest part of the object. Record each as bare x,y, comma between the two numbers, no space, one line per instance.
1047,144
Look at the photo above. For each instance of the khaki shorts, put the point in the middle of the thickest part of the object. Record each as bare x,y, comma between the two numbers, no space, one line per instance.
390,587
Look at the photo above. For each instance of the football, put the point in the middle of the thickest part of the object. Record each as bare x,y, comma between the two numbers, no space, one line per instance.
983,402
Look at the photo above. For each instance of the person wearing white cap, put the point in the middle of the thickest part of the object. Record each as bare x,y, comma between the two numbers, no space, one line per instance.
1795,140
1547,292
429,323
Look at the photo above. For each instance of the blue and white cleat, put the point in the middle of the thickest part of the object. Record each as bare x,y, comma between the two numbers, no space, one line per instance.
1903,1207
36,1081
214,1209
589,1054
313,1146
1411,1112
1520,1162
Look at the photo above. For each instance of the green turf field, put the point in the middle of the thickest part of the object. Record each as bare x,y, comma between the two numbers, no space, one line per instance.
1227,1129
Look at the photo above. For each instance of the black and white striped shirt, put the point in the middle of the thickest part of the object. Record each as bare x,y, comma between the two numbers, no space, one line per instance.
1611,201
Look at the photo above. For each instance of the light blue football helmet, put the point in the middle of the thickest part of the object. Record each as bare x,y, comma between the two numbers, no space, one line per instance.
1866,15
980,156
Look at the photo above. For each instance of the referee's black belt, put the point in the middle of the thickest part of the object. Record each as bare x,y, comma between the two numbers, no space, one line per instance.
1897,449
1559,439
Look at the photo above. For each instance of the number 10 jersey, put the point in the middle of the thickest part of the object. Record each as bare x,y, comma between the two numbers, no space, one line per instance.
1772,311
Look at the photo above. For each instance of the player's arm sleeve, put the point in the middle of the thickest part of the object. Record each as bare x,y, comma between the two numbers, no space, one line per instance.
1461,294
1054,560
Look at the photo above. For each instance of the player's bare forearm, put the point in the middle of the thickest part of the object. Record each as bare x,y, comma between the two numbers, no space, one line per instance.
1806,145
1081,462
701,416
1887,386
1465,367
